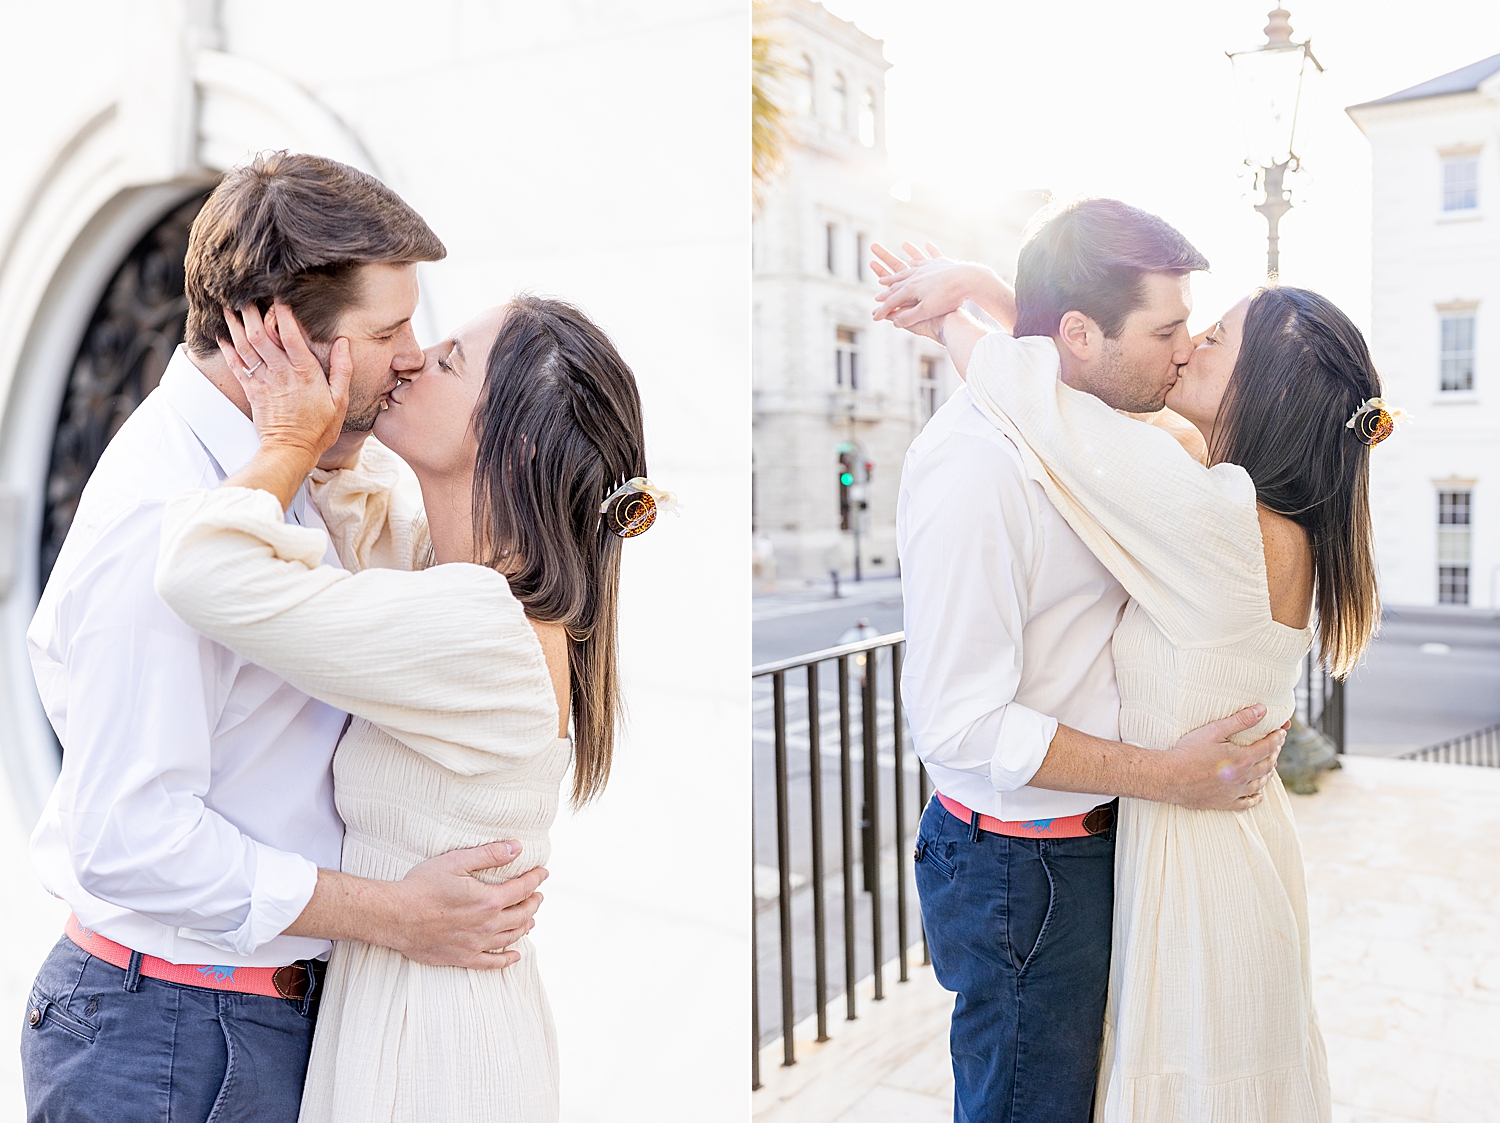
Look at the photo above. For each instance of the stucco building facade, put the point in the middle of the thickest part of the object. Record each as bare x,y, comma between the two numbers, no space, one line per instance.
834,392
553,148
1435,333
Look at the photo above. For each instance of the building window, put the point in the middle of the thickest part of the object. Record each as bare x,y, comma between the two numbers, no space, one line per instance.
846,359
927,388
840,103
859,256
1461,183
830,247
867,118
805,87
1454,528
1457,356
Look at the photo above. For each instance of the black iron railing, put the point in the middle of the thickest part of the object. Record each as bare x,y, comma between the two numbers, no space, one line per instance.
795,714
869,880
1481,747
1320,701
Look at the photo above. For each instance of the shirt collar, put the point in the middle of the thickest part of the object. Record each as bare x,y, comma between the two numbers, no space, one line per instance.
227,434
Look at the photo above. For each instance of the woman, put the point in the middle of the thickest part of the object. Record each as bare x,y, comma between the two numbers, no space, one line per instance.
1210,1014
462,673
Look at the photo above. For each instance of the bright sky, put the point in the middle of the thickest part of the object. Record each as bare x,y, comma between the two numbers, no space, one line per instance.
1137,101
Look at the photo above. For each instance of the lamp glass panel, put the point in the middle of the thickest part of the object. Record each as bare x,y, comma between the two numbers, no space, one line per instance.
1268,83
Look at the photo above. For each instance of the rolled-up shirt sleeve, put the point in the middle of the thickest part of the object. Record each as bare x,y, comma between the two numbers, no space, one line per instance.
133,799
967,529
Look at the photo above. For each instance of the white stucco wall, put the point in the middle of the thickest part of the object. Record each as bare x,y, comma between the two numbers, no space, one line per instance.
1424,259
595,151
831,177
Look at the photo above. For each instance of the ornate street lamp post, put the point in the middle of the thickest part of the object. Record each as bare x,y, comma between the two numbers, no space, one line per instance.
1269,81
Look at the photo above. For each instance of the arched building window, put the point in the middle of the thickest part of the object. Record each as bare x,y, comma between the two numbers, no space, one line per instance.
806,84
867,118
840,103
135,328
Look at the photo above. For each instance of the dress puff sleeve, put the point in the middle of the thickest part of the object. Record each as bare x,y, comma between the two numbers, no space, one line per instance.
373,511
1184,540
443,659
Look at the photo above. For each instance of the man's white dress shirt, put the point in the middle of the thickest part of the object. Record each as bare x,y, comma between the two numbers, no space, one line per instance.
195,803
1009,620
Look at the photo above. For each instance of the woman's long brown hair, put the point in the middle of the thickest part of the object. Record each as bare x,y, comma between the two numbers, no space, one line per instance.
1302,371
559,428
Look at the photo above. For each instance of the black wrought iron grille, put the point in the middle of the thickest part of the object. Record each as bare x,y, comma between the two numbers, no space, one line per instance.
838,754
1320,700
1482,747
137,324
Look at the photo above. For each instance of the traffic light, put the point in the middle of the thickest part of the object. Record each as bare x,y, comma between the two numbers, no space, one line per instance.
846,481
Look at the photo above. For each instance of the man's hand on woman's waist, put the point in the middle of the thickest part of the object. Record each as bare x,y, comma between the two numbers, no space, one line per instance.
1205,770
439,913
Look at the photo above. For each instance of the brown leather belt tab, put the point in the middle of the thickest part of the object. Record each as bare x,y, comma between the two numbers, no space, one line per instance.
1100,819
292,981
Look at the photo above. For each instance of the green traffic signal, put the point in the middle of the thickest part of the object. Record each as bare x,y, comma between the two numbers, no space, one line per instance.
846,478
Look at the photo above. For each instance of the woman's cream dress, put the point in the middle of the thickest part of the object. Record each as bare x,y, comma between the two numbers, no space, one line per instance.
453,743
1210,1016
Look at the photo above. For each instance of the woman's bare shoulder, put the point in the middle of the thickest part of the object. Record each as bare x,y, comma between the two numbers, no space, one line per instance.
1289,568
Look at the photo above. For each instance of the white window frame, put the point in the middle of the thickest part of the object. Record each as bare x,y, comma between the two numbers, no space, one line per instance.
1462,199
847,369
1457,358
927,387
1455,543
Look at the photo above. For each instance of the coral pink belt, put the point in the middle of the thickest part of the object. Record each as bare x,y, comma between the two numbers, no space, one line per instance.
1097,821
291,981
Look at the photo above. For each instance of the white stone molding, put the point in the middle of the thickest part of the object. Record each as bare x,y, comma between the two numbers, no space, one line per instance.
89,206
245,108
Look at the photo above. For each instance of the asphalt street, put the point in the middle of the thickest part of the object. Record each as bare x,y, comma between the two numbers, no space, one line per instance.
1431,673
799,620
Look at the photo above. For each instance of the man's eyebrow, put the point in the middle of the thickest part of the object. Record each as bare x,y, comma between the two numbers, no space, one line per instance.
392,327
1173,323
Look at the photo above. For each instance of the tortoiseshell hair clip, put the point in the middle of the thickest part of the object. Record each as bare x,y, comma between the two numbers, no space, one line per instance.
633,506
1374,421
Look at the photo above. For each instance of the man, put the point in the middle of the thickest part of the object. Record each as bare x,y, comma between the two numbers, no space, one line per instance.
1009,682
193,829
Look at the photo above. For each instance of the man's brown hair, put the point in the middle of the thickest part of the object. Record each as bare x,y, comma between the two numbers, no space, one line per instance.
1090,256
294,228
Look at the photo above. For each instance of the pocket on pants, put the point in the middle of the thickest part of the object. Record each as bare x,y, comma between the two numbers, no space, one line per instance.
44,1012
934,852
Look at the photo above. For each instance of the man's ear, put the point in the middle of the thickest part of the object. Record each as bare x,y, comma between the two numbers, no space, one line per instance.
272,328
1080,335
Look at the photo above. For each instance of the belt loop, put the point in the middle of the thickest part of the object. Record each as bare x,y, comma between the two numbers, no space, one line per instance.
974,829
1114,819
305,1006
133,973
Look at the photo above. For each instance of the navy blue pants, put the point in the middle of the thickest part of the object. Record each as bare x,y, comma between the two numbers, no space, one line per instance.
1019,929
104,1045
